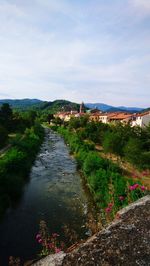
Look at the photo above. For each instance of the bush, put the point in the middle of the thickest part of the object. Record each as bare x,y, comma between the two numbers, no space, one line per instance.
132,151
92,163
81,156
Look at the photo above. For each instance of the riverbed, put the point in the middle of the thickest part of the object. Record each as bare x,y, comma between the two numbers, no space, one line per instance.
55,194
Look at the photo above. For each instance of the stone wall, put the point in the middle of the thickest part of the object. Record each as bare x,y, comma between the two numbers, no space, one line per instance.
126,241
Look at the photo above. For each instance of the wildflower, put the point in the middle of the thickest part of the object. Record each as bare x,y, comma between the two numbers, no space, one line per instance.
40,240
51,245
38,236
143,188
108,209
121,198
55,235
57,250
136,186
131,188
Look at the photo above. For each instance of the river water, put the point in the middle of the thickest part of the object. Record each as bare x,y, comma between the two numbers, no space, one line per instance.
55,194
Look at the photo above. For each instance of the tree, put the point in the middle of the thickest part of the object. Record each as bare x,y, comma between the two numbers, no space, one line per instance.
132,151
50,117
3,136
6,116
113,143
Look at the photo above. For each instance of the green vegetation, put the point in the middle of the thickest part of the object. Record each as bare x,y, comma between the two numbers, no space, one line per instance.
110,188
41,106
15,163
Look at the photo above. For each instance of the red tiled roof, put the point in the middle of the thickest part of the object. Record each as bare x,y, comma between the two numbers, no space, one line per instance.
120,116
142,114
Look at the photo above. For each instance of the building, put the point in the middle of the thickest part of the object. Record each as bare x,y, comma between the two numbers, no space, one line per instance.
121,117
141,120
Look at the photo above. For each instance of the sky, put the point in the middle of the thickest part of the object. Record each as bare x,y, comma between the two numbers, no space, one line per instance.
78,50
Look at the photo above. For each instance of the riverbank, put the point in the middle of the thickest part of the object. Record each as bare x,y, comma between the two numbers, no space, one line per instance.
16,163
111,189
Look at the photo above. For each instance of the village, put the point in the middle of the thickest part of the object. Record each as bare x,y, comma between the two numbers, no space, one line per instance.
134,119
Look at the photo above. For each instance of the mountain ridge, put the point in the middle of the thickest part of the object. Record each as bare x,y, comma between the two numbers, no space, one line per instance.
109,108
63,105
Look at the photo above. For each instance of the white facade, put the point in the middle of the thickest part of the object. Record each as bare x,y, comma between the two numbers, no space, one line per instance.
103,119
141,120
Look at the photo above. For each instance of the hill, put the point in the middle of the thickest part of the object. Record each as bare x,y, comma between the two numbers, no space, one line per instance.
22,104
44,106
59,105
64,105
109,108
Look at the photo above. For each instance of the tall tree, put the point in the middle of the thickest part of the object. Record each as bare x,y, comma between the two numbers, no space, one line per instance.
6,116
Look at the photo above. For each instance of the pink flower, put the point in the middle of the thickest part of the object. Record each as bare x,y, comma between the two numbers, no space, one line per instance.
108,210
51,245
57,250
38,236
40,240
136,186
143,188
131,187
121,198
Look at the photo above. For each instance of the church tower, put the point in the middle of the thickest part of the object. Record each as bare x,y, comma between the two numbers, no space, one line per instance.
82,108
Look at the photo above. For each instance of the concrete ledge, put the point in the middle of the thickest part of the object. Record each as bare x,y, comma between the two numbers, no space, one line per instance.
126,241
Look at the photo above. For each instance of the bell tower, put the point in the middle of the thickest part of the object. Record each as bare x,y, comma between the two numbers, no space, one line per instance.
82,108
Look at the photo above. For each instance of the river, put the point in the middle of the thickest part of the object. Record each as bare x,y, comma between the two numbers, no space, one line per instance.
55,193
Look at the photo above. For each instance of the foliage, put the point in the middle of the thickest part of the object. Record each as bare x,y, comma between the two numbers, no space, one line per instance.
3,136
6,116
16,163
132,149
93,162
49,243
111,190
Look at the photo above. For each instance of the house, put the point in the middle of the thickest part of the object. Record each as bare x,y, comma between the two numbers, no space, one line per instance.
141,120
105,117
95,116
121,117
66,116
111,117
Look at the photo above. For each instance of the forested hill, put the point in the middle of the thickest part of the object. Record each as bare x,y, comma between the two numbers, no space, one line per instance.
45,106
22,104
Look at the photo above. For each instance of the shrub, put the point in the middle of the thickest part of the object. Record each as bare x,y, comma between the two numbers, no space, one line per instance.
92,163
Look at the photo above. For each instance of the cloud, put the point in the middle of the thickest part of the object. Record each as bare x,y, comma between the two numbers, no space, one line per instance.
143,5
140,8
74,50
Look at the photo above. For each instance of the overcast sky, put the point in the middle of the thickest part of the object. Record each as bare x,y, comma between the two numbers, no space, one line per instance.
80,50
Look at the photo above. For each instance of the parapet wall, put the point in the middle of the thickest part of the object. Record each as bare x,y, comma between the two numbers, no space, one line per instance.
126,241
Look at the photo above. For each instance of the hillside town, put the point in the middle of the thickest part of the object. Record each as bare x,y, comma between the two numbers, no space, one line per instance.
134,119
